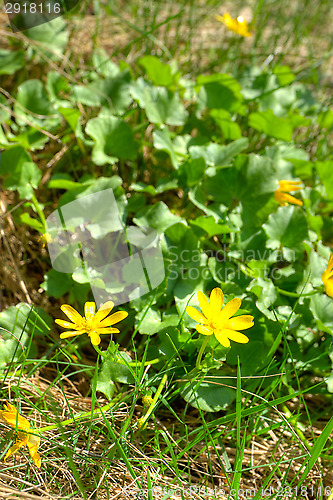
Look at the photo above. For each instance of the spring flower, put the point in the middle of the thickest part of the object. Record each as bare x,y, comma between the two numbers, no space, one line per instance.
92,324
45,238
327,277
238,25
218,321
15,420
281,194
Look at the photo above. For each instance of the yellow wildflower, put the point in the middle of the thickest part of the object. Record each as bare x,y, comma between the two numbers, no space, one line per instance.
92,324
281,194
327,277
15,420
238,25
45,238
218,321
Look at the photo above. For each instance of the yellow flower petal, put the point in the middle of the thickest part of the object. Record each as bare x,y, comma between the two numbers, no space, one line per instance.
229,309
222,338
13,449
240,322
65,335
33,444
89,310
327,277
288,186
194,314
285,199
95,338
216,300
285,187
65,324
102,331
204,330
71,313
204,304
114,318
104,310
235,336
329,287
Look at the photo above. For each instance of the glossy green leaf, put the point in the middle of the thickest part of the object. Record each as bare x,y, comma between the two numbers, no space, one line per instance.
113,138
11,61
271,125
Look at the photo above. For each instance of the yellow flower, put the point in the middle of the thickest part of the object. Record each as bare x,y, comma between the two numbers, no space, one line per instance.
218,321
92,324
238,25
327,277
45,238
14,419
285,187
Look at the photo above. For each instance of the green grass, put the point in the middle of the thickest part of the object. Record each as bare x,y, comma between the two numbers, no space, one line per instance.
191,126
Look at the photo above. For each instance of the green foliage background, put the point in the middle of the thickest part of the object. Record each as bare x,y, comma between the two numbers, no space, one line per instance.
196,155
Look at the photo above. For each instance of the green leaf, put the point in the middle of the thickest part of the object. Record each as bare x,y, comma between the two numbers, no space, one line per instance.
21,321
114,369
176,149
286,228
34,223
72,116
113,138
217,155
156,217
32,96
230,129
325,172
31,139
104,65
219,91
325,119
209,225
252,179
162,186
163,106
192,171
271,125
265,291
284,74
158,72
11,61
112,93
57,284
322,309
20,173
212,394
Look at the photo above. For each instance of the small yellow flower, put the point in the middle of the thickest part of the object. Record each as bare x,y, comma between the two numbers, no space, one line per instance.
285,187
238,25
45,238
327,277
218,321
92,324
15,420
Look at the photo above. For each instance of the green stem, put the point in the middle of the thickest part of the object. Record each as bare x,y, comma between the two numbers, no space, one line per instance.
144,419
80,417
202,348
38,210
101,353
292,294
139,363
